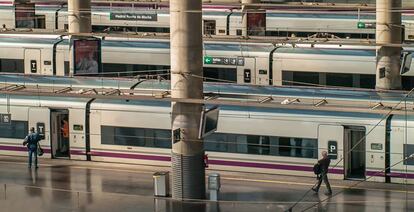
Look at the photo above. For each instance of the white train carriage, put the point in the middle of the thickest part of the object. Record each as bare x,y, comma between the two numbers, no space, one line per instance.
306,24
400,133
248,139
47,115
216,20
242,63
325,65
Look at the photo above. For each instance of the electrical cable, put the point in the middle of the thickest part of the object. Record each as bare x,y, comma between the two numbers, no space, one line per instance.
364,137
374,175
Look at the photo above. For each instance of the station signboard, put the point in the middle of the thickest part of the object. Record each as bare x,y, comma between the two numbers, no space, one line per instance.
223,61
122,16
208,122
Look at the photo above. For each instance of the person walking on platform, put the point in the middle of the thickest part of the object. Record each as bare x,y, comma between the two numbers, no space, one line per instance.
32,142
324,166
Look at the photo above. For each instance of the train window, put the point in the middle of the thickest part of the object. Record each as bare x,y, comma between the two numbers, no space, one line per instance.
149,71
113,67
12,65
16,129
367,81
407,82
408,150
262,145
162,138
296,147
300,78
343,80
209,27
218,142
40,21
105,28
220,74
126,136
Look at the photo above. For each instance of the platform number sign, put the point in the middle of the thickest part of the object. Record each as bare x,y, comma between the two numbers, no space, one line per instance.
40,127
247,76
33,66
333,150
6,118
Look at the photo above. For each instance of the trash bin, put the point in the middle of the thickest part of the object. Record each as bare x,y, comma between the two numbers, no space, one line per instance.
214,185
161,184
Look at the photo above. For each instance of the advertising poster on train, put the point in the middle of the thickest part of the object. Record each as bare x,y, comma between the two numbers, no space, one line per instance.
87,57
256,24
25,15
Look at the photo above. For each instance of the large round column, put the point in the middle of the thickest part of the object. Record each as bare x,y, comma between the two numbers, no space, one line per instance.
388,31
79,16
188,177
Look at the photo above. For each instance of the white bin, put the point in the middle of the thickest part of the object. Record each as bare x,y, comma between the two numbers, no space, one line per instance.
161,184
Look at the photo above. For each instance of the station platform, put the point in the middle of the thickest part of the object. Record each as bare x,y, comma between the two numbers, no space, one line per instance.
66,185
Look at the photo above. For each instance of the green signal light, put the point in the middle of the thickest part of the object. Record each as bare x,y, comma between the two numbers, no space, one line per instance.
366,25
208,60
361,25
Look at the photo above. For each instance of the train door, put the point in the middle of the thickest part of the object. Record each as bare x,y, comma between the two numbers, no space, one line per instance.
59,67
32,61
39,118
354,152
246,73
330,139
262,74
60,133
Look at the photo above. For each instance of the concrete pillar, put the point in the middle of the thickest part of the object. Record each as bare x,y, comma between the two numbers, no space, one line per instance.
188,177
245,9
79,16
388,31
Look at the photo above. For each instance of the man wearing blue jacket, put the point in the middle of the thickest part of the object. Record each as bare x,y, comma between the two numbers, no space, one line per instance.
32,142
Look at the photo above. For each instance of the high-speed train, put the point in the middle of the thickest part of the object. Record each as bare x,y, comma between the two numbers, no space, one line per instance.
242,63
216,21
248,139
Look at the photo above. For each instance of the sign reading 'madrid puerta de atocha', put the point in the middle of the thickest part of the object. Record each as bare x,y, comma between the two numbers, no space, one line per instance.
133,16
